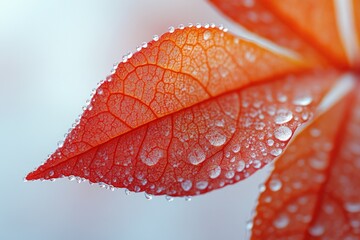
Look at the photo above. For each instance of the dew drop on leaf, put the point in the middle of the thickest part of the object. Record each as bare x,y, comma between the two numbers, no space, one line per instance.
186,185
283,116
283,133
201,185
275,185
281,222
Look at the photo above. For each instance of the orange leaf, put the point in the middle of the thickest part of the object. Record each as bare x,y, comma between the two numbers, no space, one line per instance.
305,26
165,117
313,191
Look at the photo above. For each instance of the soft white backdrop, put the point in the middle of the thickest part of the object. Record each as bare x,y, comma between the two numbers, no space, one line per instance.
52,53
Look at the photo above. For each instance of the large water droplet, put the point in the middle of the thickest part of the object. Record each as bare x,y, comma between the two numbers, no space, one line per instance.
282,221
197,155
186,185
283,133
283,116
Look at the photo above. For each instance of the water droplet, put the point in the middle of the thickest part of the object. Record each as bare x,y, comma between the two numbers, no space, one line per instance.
240,166
318,163
303,100
236,148
181,26
153,157
316,230
275,185
257,164
207,35
197,155
144,45
214,173
51,173
282,221
188,198
249,225
276,152
353,207
230,174
283,133
315,132
171,29
221,27
155,38
201,185
127,192
186,185
148,196
198,25
215,138
250,56
169,198
60,144
283,116
270,142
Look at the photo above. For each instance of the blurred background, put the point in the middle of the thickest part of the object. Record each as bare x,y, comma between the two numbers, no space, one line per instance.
52,54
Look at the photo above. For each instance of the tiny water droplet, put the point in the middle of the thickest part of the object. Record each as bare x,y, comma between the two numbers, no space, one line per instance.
186,185
169,198
275,185
155,38
181,26
230,174
257,164
276,152
148,196
198,25
127,192
188,198
281,222
171,29
240,166
60,144
214,173
317,230
352,207
207,35
201,185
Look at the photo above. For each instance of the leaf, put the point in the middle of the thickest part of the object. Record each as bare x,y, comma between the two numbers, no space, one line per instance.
356,7
313,191
183,87
305,26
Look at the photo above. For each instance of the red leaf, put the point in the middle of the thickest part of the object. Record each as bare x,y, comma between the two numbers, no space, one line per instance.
305,26
356,7
314,192
171,114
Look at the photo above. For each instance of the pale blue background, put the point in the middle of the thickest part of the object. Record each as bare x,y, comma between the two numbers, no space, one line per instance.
52,53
